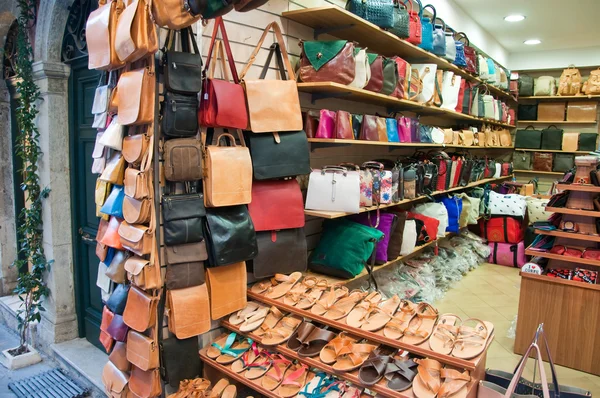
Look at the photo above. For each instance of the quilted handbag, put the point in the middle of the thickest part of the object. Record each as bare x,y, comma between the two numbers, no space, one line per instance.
507,205
378,12
427,28
328,61
385,223
401,21
414,27
502,229
528,138
508,254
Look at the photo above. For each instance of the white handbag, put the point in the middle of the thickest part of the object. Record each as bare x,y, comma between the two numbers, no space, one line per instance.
363,69
497,107
498,170
113,135
103,281
536,209
544,85
100,121
98,154
450,90
427,74
333,188
473,215
450,47
507,205
409,237
437,135
488,106
483,68
434,210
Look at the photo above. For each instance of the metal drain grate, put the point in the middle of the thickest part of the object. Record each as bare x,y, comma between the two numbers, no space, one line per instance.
51,384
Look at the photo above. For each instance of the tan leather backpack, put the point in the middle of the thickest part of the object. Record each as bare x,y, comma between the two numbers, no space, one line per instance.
570,81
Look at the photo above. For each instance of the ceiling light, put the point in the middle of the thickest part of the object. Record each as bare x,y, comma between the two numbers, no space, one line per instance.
532,42
514,18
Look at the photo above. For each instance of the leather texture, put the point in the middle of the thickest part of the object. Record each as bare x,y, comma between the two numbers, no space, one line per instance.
328,61
378,12
137,238
114,169
135,147
279,155
563,162
276,205
311,123
528,138
118,357
136,87
101,30
183,159
185,267
115,381
145,384
118,299
542,161
116,268
142,351
172,14
140,311
188,311
375,83
137,211
587,141
570,142
369,128
179,115
182,69
363,69
105,338
227,289
280,252
390,76
582,111
552,138
136,32
182,218
143,273
551,111
136,183
118,328
230,235
326,126
343,126
179,360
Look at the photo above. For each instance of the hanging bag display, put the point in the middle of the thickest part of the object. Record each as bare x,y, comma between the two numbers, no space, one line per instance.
136,33
226,289
330,61
136,146
101,31
182,218
273,105
137,86
137,182
182,69
112,137
188,311
279,155
183,159
378,12
427,27
276,205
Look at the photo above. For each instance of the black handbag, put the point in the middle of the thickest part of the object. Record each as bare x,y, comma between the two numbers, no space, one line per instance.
182,218
356,124
529,138
182,69
280,252
587,142
279,155
552,138
230,235
180,115
527,112
118,299
563,162
525,86
465,174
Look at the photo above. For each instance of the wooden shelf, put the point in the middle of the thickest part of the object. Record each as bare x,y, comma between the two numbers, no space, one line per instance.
575,212
338,214
552,256
422,349
578,187
337,141
545,278
562,97
324,90
550,122
539,172
342,24
569,235
550,150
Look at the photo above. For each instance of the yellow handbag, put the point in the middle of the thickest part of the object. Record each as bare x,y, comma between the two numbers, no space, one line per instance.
114,169
102,191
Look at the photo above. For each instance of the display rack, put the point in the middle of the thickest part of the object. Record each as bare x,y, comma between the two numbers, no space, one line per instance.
550,150
570,235
557,173
561,97
550,122
324,142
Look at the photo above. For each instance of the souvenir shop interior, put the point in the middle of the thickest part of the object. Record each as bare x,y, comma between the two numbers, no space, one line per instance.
341,199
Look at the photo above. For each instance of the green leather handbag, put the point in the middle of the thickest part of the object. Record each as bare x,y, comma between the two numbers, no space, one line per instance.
401,22
529,138
521,160
587,142
344,248
563,162
390,76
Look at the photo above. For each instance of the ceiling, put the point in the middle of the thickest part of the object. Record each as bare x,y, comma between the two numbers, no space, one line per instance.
559,24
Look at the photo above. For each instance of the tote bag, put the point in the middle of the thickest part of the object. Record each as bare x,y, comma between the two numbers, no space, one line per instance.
450,89
427,74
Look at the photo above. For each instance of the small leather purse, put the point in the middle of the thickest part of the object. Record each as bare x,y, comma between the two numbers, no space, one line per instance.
143,273
135,147
142,351
110,233
137,238
145,383
118,328
183,159
114,170
137,211
115,381
137,181
116,268
118,357
185,267
188,311
136,33
227,289
140,311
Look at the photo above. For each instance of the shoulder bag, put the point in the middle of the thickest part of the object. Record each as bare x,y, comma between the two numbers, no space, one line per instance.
525,85
182,218
101,31
137,237
142,351
280,155
386,224
279,252
378,12
135,146
427,75
138,182
415,30
136,33
185,265
396,235
182,69
450,44
118,299
105,338
110,237
328,61
273,105
222,103
114,170
401,21
226,289
521,160
529,138
402,89
136,211
343,129
144,273
118,328
427,29
363,69
116,382
136,104
173,14
390,76
276,205
188,311
183,159
439,37
140,310
333,188
375,83
179,115
582,111
118,357
544,85
145,383
542,161
113,206
116,268
112,137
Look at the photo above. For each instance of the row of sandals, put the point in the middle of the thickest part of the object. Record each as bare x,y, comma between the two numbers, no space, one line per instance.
399,319
397,371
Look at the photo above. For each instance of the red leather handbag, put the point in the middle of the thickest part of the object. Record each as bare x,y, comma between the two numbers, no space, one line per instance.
506,169
431,224
461,96
558,249
459,166
223,103
502,230
593,254
470,53
276,204
415,30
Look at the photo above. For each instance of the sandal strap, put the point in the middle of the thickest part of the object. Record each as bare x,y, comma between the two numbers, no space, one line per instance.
426,311
401,368
320,335
377,362
292,379
454,382
431,382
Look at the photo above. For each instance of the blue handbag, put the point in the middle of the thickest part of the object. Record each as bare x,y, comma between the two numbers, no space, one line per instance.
392,130
454,206
491,67
378,12
425,134
439,37
114,203
427,30
460,59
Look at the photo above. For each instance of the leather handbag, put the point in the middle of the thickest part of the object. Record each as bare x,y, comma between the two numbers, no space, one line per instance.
415,30
273,105
145,383
396,235
527,112
116,382
427,30
392,130
137,238
544,86
114,169
185,267
378,12
182,159
551,111
179,115
451,86
375,83
326,126
188,311
529,138
116,267
112,137
587,142
521,160
101,29
105,338
525,86
505,139
113,206
226,289
182,69
118,298
140,311
280,252
311,122
592,85
173,14
470,54
179,359
142,351
570,142
135,147
230,236
136,32
381,129
333,188
552,138
569,82
279,155
118,357
563,162
328,61
343,127
118,328
276,205
138,183
138,86
137,211
222,103
110,235
402,89
582,111
369,128
227,172
183,218
144,273
390,76
427,75
542,161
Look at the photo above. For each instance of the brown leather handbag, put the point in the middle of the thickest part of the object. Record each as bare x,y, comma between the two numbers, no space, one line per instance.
137,182
144,273
570,142
136,211
145,383
101,30
185,265
142,351
382,129
505,138
542,161
551,111
466,138
343,126
118,357
480,138
116,269
136,146
227,172
135,91
327,61
369,128
273,105
173,14
183,159
311,122
582,111
136,32
105,338
140,310
375,83
137,238
115,381
227,289
188,311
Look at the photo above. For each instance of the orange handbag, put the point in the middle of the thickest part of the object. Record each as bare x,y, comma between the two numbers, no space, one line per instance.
136,32
136,102
111,237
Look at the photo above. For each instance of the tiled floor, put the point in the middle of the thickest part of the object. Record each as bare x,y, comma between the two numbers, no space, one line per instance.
491,293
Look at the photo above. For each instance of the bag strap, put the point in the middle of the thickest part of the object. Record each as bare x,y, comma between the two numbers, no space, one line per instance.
219,24
279,37
274,49
443,24
462,36
439,93
519,371
434,16
218,54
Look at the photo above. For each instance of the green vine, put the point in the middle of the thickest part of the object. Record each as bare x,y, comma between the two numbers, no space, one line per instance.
31,287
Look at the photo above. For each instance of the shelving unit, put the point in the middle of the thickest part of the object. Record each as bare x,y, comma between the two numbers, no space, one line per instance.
336,141
569,235
550,122
578,187
557,173
550,150
552,256
562,97
564,210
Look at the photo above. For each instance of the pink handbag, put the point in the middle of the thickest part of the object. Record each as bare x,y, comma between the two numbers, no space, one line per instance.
326,128
509,254
404,126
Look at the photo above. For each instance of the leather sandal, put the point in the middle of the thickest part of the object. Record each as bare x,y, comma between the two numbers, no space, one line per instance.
471,341
293,381
230,353
328,299
260,365
353,356
216,347
282,331
229,392
274,376
261,287
254,319
421,325
428,381
395,328
218,389
444,334
356,317
373,369
400,374
247,358
281,284
292,297
314,342
455,383
240,316
343,306
331,350
310,297
272,318
381,315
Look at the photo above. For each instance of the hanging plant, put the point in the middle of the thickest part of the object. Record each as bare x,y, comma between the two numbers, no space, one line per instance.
31,287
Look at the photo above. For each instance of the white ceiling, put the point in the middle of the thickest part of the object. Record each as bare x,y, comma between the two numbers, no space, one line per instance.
559,24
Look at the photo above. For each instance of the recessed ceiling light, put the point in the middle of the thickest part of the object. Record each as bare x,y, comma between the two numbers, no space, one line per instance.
532,42
514,18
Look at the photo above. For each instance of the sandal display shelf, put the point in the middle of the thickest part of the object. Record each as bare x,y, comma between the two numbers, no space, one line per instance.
569,235
324,90
476,365
335,141
336,21
338,214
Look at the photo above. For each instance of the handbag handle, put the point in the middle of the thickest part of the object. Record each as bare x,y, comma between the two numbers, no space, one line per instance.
274,49
443,24
279,37
372,165
433,18
462,36
186,35
218,54
406,4
227,135
334,169
352,165
219,24
203,134
517,376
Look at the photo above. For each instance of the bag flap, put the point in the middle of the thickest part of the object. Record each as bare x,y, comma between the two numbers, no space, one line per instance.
140,347
97,28
321,52
372,57
132,233
134,265
276,205
133,147
189,311
187,253
230,100
113,379
124,44
130,84
180,207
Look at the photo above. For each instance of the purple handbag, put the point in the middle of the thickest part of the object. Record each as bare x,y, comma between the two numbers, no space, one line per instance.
118,329
404,124
326,128
387,223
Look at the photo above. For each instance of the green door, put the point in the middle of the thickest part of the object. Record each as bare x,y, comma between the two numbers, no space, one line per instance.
82,85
